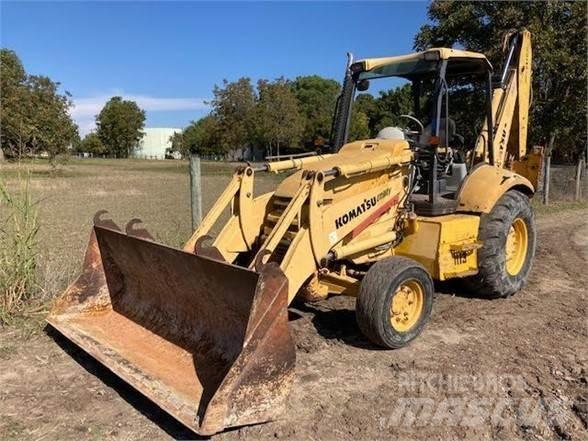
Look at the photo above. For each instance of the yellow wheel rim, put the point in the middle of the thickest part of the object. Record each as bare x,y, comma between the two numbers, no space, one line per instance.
407,305
516,247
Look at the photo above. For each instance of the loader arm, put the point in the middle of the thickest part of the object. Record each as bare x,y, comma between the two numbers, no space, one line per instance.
259,231
239,193
247,213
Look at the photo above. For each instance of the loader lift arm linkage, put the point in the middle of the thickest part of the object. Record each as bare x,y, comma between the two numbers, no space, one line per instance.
238,195
203,331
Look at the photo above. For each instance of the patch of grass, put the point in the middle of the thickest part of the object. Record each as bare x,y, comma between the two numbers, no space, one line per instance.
57,173
12,429
39,169
18,249
555,207
29,324
179,167
6,351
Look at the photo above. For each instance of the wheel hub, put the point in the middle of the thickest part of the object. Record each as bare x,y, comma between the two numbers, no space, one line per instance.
516,247
407,305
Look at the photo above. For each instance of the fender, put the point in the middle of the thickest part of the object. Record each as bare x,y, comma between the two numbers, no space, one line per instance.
486,184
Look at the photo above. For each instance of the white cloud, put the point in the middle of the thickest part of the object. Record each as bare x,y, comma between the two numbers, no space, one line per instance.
85,110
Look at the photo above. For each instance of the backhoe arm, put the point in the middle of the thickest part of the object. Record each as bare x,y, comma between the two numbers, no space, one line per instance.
510,106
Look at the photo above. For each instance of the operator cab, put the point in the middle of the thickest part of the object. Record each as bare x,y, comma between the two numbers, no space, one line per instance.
441,81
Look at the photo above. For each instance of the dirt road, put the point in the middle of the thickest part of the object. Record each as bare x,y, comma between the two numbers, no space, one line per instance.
483,370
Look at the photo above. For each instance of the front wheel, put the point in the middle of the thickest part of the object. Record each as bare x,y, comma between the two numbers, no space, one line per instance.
395,301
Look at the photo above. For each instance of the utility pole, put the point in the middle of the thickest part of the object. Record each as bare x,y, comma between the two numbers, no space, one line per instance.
546,178
579,179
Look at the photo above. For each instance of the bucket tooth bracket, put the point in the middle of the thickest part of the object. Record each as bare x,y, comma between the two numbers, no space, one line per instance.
132,230
201,248
102,219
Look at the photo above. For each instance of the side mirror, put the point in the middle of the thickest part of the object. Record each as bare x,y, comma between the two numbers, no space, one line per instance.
363,85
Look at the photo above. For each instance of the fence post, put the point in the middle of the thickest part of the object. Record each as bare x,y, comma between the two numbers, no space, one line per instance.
195,191
546,179
579,179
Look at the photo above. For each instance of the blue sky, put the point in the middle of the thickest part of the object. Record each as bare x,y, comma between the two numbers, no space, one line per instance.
168,56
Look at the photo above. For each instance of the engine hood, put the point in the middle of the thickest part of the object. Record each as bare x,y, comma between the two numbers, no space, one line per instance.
351,153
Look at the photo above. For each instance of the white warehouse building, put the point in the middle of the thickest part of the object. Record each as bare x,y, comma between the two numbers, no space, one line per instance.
154,143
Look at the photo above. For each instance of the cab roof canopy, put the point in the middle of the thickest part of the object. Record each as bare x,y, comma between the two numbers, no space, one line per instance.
422,64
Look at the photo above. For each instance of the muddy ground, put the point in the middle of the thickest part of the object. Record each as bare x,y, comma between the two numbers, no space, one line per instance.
506,369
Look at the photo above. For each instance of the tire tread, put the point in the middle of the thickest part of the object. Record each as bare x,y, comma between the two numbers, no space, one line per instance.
492,280
372,298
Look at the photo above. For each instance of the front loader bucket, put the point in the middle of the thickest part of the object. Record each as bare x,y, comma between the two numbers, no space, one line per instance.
206,340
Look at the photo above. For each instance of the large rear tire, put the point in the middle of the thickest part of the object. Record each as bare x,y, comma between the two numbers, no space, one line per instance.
395,301
509,238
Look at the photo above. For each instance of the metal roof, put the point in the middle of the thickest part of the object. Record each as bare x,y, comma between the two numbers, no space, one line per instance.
444,54
421,61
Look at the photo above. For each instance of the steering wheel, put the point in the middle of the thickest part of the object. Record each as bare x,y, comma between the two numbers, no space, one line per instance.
415,120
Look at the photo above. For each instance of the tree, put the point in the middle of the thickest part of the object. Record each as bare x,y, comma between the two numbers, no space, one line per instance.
560,70
370,114
54,131
359,127
15,119
316,99
119,126
391,104
34,116
367,104
92,144
278,120
233,108
202,137
177,144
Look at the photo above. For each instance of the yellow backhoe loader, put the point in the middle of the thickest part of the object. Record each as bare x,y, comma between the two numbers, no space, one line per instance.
203,331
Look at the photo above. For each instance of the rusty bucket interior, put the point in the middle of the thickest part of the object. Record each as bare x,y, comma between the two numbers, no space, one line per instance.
206,340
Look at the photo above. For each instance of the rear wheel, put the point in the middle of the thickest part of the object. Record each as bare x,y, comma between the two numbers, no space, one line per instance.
509,237
394,302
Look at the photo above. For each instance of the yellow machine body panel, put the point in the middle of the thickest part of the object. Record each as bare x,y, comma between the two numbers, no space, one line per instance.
530,166
355,158
486,184
445,245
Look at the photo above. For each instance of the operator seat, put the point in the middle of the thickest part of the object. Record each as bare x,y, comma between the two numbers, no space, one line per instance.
446,185
453,136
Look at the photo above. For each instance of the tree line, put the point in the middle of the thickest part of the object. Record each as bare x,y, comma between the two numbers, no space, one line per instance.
282,115
35,118
296,113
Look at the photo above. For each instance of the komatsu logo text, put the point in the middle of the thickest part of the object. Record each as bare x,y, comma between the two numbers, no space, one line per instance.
366,205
